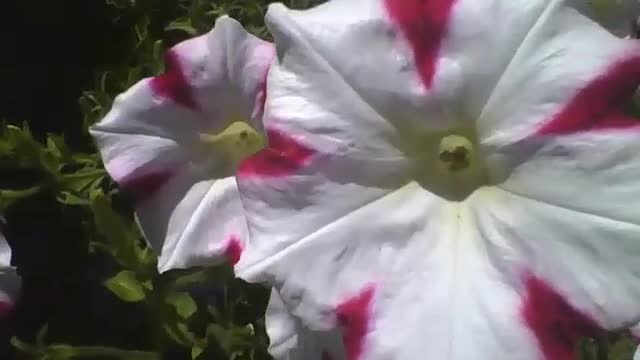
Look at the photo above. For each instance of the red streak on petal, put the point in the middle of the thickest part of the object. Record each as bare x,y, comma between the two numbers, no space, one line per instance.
557,326
5,309
262,94
173,83
598,106
424,23
234,249
144,186
284,156
355,316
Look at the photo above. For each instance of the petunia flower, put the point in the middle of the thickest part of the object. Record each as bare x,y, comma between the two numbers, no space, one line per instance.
174,142
448,179
9,279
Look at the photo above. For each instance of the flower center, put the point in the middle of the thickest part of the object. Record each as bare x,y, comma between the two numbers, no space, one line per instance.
235,143
455,151
447,163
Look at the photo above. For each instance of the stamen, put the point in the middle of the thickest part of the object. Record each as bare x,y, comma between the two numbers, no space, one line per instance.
455,151
236,142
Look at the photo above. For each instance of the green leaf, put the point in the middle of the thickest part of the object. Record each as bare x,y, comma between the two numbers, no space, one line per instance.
196,350
122,237
24,347
184,304
68,198
126,286
41,337
179,332
122,4
83,180
57,146
221,336
8,197
182,25
24,148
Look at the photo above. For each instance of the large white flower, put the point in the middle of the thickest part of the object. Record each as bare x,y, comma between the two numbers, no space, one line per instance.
174,141
9,280
448,179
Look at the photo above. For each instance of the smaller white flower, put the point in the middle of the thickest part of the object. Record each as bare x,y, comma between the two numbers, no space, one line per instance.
174,142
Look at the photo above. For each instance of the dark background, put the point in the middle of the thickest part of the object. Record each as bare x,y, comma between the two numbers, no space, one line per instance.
50,52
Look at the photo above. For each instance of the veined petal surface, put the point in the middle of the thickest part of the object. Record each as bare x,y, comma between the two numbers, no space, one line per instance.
542,253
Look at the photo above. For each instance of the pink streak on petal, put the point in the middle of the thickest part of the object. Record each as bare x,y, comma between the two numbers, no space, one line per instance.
355,316
233,250
424,23
5,309
557,326
598,106
284,156
173,83
144,186
262,93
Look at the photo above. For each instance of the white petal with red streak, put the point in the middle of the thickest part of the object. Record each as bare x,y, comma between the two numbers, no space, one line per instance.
560,55
150,142
201,221
290,340
556,132
410,276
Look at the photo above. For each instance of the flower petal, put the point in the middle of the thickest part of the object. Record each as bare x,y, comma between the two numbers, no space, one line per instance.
419,281
567,68
9,281
290,340
151,143
210,82
493,277
577,162
589,260
352,58
200,221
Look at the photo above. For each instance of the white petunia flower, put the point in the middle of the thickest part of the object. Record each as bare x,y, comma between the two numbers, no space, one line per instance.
175,140
447,179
